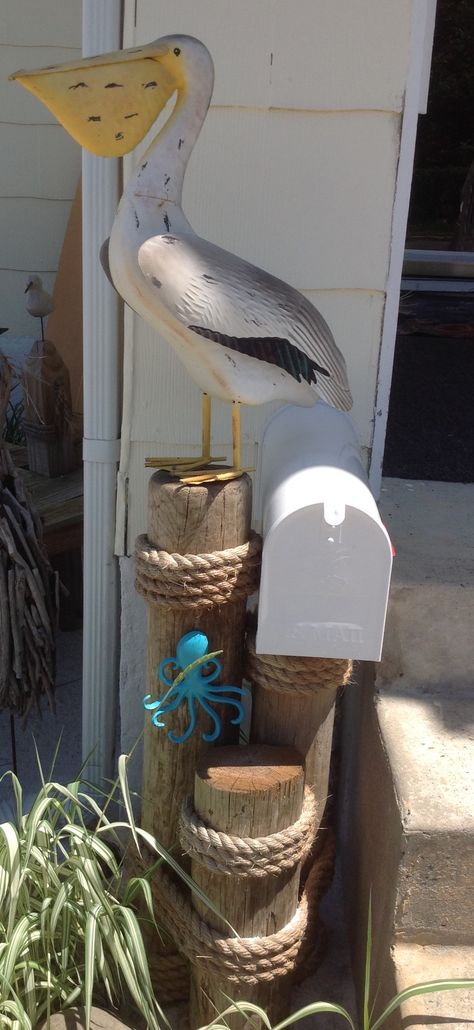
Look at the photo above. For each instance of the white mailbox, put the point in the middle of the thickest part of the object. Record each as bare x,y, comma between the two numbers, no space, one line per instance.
327,558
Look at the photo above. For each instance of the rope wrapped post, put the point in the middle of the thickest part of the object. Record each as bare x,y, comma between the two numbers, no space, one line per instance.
248,831
195,569
293,701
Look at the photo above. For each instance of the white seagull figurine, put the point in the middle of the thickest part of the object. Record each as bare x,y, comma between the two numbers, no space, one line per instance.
39,303
242,334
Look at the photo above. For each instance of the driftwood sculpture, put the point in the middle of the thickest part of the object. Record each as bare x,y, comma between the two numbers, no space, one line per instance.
47,417
28,588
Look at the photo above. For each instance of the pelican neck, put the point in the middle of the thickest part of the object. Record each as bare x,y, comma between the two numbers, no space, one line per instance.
160,172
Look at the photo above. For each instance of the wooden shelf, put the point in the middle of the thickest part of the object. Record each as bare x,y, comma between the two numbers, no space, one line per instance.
60,503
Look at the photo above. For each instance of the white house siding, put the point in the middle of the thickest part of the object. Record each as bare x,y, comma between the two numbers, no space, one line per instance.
295,170
40,164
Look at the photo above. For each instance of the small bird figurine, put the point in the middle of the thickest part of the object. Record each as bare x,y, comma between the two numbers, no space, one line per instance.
39,303
243,335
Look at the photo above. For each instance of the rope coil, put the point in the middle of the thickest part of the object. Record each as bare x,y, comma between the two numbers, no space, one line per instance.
248,856
170,975
286,674
246,960
197,580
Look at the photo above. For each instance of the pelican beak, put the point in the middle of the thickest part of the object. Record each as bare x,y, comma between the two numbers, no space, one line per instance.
109,102
28,287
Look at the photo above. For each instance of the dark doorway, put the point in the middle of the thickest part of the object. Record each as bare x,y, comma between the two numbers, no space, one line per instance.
430,432
445,140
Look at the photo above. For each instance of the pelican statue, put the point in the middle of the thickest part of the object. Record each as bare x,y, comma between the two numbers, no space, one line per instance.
242,334
39,303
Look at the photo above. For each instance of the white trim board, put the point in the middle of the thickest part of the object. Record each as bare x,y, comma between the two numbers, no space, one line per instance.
421,39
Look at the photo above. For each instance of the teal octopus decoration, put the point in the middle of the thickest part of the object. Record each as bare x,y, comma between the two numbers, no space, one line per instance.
194,684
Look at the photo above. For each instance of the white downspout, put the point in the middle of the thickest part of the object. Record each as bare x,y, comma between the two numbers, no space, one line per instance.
102,24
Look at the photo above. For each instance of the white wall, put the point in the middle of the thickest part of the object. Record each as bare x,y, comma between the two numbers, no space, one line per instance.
296,170
40,164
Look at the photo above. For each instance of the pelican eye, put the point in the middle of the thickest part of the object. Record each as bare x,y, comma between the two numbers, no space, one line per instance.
177,51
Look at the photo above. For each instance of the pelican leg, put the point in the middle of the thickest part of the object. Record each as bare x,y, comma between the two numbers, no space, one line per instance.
177,466
236,436
236,470
206,427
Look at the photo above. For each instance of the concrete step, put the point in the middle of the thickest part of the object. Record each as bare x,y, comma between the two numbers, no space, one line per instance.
431,765
415,963
425,704
407,821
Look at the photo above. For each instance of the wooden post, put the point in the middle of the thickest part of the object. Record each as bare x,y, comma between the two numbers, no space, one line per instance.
301,720
249,792
189,520
182,520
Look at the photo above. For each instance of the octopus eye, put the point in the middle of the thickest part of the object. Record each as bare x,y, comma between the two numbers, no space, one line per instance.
177,51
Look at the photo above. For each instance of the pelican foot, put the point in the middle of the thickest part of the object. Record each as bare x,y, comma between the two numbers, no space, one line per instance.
212,475
178,465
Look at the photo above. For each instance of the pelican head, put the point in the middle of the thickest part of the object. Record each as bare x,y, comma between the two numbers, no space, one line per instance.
34,282
109,102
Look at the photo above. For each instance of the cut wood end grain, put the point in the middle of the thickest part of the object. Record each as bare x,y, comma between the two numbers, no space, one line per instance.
258,769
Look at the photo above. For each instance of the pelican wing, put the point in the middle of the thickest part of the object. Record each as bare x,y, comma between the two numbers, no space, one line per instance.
221,297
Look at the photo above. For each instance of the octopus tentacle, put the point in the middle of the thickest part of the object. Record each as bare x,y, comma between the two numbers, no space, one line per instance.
192,725
211,737
237,704
161,673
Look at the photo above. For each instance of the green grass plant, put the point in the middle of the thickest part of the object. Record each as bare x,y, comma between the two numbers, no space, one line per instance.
67,926
69,932
253,1016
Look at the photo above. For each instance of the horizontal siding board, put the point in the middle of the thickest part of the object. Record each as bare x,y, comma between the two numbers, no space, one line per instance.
302,195
356,321
341,55
32,233
40,164
38,161
45,22
318,54
17,105
234,34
